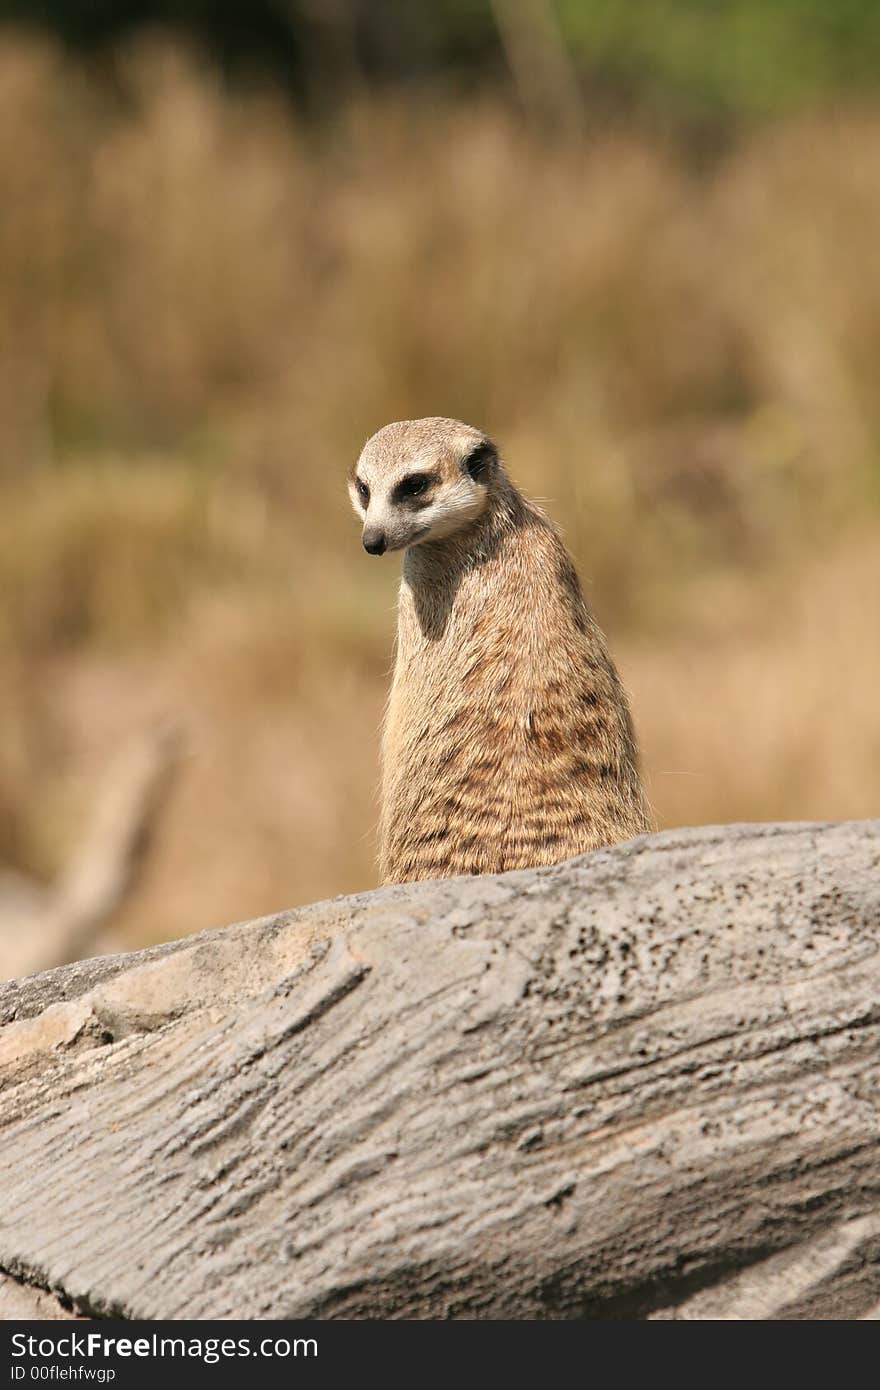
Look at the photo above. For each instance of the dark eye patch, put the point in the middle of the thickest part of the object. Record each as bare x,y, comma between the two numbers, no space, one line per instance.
413,487
362,491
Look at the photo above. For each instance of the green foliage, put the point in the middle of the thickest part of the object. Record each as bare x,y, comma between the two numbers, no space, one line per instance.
711,58
742,56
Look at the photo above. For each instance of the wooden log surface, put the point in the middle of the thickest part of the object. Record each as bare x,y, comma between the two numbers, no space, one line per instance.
644,1083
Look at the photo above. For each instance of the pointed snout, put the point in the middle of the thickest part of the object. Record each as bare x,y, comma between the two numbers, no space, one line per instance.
375,540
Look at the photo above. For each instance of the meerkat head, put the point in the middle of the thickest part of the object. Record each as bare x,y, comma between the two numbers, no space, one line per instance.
421,480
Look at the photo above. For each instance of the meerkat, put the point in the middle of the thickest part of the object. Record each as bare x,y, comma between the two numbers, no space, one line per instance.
507,740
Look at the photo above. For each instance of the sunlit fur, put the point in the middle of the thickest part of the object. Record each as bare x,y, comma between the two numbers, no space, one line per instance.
508,740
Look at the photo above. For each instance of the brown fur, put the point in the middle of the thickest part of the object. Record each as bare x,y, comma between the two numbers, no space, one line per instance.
508,740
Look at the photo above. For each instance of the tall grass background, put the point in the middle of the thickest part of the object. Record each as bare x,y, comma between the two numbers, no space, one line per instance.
207,302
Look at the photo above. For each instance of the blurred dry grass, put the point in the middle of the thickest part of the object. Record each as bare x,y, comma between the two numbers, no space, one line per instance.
204,310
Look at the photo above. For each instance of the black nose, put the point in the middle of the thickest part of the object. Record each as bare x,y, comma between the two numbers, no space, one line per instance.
375,542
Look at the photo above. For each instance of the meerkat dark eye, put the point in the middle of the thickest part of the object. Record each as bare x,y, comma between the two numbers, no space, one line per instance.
479,461
413,486
362,491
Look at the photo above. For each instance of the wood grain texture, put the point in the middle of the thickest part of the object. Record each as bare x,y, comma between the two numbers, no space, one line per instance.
22,1302
642,1083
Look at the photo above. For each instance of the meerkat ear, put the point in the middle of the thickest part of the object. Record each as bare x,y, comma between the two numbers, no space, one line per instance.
480,462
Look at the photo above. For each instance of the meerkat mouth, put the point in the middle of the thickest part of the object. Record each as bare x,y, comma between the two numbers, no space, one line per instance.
417,536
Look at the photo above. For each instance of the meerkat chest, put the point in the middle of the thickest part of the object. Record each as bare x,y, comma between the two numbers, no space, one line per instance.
482,646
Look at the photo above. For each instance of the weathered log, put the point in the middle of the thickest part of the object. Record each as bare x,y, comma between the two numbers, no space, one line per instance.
642,1083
